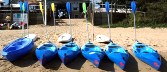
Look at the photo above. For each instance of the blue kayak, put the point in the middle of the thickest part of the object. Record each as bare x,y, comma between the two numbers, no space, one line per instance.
92,53
46,52
68,52
17,49
147,54
117,54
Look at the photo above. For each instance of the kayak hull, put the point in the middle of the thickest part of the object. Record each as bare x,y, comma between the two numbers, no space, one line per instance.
92,53
117,54
147,54
17,49
46,52
68,52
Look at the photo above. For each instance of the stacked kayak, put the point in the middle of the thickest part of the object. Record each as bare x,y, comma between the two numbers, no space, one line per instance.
117,54
102,39
45,52
68,52
17,48
31,36
65,38
147,54
92,53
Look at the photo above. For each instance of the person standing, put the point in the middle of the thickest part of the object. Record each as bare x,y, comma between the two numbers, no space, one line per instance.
7,19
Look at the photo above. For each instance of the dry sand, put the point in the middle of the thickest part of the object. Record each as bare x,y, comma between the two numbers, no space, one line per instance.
122,36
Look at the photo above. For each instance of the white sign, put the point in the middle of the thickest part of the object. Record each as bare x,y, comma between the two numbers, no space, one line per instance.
18,17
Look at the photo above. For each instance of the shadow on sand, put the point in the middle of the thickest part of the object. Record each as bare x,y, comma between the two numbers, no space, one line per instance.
163,64
27,60
54,64
59,22
107,65
77,63
131,65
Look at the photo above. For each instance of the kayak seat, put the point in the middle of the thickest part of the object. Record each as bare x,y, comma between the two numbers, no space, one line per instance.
47,45
113,51
89,45
70,45
11,49
140,46
64,48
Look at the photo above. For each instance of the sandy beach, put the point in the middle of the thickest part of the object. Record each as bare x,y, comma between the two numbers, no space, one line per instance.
122,36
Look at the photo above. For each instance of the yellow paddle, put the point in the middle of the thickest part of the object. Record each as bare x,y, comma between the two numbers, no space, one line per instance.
41,9
53,9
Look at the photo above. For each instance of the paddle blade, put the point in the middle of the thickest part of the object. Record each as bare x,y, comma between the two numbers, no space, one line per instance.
84,7
20,3
40,6
23,7
26,6
133,6
107,7
53,7
68,7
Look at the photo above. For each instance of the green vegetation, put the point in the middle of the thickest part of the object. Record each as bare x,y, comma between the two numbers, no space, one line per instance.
151,13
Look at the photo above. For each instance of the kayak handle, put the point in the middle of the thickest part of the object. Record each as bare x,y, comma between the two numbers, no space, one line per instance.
126,50
135,52
2,58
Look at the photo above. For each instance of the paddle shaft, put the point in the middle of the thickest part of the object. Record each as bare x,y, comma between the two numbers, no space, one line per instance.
46,21
87,27
43,18
70,24
54,20
109,30
135,26
27,22
93,19
23,24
